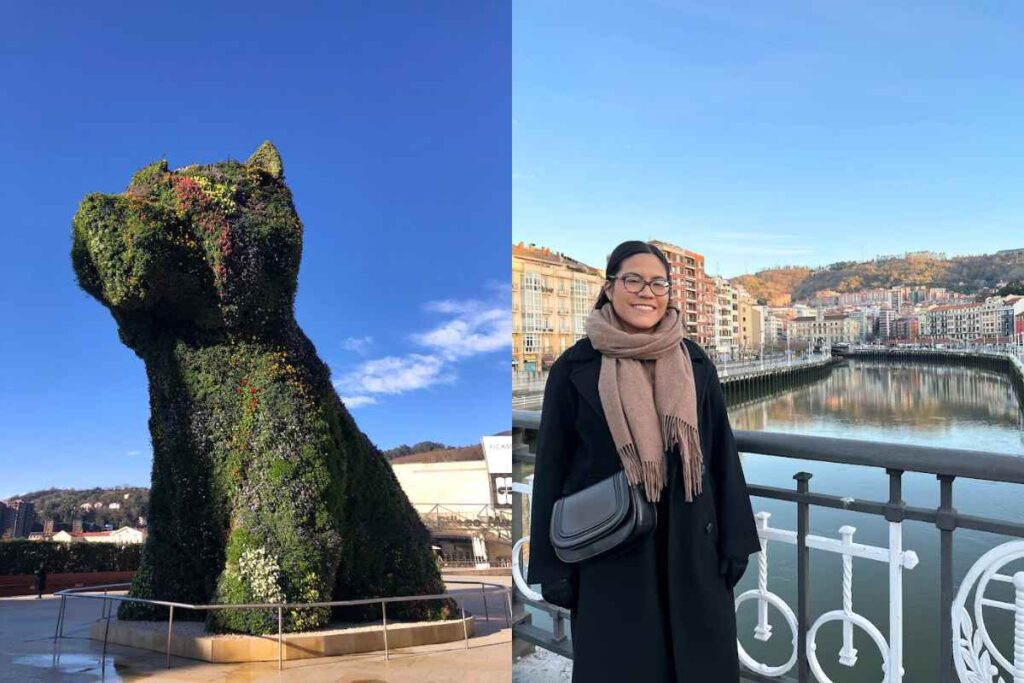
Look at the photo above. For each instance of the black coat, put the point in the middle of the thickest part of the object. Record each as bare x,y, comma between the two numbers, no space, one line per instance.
663,608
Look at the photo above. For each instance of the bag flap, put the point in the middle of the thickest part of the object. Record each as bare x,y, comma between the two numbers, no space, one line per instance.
579,518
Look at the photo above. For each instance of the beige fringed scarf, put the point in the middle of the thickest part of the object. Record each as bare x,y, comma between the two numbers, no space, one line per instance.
647,421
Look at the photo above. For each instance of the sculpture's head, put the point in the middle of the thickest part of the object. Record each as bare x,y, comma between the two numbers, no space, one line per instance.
199,249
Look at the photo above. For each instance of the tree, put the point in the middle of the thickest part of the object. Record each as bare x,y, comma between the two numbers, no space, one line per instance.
1015,287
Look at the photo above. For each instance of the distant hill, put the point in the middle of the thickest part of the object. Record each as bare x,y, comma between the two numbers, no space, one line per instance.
421,447
964,274
133,501
774,286
462,454
60,504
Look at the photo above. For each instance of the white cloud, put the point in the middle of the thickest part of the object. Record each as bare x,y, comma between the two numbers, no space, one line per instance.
476,327
469,327
358,401
133,454
502,287
359,345
395,375
452,306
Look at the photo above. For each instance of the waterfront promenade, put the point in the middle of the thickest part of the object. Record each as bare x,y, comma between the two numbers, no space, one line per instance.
26,647
528,388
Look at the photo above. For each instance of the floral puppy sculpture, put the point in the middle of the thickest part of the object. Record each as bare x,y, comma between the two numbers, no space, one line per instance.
264,489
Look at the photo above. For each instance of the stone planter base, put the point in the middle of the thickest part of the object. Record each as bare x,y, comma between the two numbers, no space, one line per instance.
189,640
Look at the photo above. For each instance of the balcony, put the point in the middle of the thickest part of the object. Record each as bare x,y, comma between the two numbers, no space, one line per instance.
975,657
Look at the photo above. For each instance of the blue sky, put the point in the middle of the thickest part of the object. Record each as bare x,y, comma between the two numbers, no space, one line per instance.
764,134
394,124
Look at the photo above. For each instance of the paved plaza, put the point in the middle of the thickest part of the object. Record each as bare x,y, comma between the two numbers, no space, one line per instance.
26,651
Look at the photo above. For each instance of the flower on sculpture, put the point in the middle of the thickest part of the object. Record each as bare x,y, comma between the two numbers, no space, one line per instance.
262,574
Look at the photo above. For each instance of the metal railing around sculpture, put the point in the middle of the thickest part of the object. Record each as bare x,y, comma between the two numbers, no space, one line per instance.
109,600
966,647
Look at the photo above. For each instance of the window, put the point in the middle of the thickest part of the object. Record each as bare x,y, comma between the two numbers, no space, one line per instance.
581,302
530,296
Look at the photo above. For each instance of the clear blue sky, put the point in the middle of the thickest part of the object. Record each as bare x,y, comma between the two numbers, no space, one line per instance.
769,133
394,123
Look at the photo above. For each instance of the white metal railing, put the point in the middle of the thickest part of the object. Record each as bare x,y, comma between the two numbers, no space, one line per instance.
897,559
966,649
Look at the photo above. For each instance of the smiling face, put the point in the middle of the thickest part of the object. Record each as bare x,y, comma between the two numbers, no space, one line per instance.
638,312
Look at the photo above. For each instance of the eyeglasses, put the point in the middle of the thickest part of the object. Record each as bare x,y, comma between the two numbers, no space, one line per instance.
635,284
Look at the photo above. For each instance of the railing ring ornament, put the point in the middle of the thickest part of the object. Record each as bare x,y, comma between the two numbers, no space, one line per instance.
787,613
973,650
855,619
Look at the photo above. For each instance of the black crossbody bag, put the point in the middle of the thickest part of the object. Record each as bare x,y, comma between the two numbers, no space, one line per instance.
601,518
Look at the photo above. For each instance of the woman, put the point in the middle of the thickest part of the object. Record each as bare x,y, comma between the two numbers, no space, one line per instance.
634,394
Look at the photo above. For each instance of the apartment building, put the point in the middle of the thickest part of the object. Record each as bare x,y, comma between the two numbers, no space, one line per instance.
552,295
693,290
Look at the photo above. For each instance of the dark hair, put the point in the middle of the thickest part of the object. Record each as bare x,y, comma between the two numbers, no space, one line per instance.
623,252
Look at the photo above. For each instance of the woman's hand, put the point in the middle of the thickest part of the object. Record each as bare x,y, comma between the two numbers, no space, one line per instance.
561,593
732,570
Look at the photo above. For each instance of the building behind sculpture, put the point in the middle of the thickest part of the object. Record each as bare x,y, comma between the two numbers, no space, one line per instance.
16,519
123,536
464,497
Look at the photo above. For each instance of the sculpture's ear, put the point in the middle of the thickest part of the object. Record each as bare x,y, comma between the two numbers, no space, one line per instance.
267,159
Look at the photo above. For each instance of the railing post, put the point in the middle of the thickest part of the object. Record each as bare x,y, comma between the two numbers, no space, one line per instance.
848,654
803,576
103,658
384,613
170,627
280,639
465,629
763,630
483,594
946,522
894,514
60,616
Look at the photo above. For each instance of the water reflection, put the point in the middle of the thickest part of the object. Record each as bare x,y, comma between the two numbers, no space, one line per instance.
922,398
77,667
912,403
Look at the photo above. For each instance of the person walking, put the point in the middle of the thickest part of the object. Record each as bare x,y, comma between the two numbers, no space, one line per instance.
40,573
636,395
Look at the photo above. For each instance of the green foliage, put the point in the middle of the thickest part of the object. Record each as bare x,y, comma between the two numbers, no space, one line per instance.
263,486
267,158
63,504
24,557
1016,287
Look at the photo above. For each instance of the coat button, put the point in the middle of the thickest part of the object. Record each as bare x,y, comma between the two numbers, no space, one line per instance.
708,528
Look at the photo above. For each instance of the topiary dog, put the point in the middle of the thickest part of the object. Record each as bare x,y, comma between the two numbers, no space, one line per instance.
263,488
